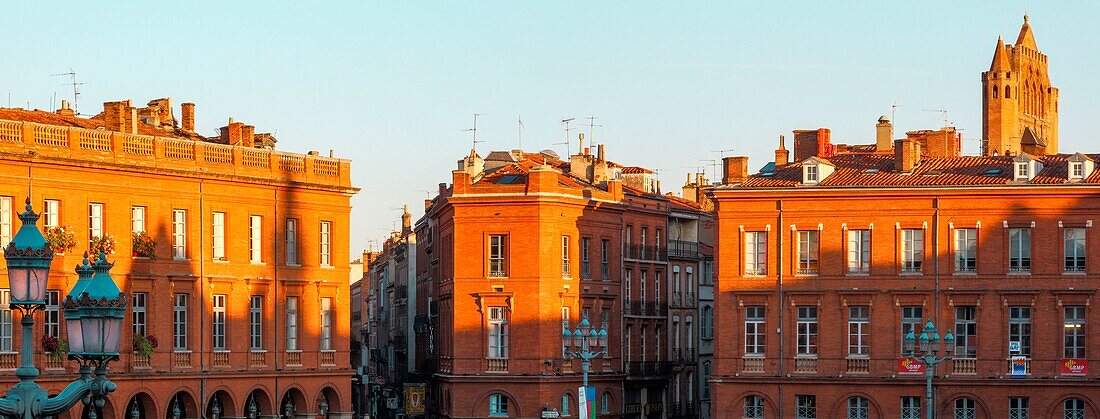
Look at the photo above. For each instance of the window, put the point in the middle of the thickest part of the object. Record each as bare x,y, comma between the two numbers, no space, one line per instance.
256,322
1073,409
911,318
910,407
179,322
605,402
5,320
805,407
858,408
95,220
641,285
179,234
52,314
626,344
566,337
51,213
1073,332
498,405
1018,408
565,256
139,316
219,236
1075,249
137,219
811,173
605,318
326,323
604,258
498,332
326,243
641,242
1076,170
5,220
912,250
566,403
859,329
255,238
859,251
675,333
498,255
966,255
754,407
706,322
754,331
966,330
627,285
291,323
218,319
1019,250
657,242
706,383
756,248
1021,170
585,271
808,247
1019,328
965,408
656,286
641,337
291,241
627,243
807,330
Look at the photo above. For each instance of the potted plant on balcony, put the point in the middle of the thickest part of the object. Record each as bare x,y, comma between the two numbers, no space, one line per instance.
145,246
145,345
104,244
61,239
54,347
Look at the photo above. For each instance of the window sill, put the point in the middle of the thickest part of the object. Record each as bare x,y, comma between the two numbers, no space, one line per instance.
1075,273
1019,273
903,273
964,273
181,351
258,351
327,267
858,274
220,351
293,265
221,261
257,263
179,259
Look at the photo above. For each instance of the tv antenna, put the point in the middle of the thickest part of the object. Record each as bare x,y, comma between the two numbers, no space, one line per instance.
76,87
520,128
591,126
713,164
566,121
474,131
893,111
943,114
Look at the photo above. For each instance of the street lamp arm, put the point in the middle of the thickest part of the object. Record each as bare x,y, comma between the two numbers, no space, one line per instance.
9,407
68,398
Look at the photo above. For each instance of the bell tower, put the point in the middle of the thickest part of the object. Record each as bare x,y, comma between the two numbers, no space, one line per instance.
1019,105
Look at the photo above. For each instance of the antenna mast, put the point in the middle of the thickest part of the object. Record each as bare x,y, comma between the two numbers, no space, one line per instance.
566,121
591,126
474,131
76,88
943,114
893,111
520,119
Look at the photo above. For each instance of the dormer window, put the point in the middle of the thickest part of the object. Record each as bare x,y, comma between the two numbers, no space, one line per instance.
815,170
1022,170
1080,167
811,174
1025,168
1076,170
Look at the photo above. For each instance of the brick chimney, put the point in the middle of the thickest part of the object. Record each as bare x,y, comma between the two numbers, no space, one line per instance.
736,169
813,142
782,156
542,178
120,117
188,110
66,111
231,132
406,221
690,190
884,135
944,142
906,155
248,136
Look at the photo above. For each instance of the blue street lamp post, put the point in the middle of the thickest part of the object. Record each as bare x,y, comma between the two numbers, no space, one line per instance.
586,344
94,311
928,351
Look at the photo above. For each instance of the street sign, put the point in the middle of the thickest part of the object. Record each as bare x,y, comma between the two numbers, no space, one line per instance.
550,414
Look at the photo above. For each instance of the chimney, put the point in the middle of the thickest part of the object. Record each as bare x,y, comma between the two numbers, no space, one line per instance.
231,132
736,169
188,111
884,134
406,221
66,111
813,142
690,190
542,178
599,153
906,155
781,153
117,116
248,136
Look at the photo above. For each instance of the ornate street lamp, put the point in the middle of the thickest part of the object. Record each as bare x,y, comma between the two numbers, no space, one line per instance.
587,344
93,342
927,355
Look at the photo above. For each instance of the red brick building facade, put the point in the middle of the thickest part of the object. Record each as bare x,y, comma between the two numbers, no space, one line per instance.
241,232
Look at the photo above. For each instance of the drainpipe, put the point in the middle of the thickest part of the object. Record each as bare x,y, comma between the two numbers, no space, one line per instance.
779,285
936,255
202,303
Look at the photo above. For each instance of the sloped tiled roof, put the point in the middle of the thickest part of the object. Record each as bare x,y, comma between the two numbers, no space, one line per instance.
96,122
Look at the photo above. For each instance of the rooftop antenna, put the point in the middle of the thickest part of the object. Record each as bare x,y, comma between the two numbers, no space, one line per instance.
566,121
591,126
722,153
893,111
713,164
520,123
76,88
943,114
474,131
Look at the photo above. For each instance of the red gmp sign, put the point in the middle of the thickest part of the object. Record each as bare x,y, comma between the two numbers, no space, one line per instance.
910,366
1075,366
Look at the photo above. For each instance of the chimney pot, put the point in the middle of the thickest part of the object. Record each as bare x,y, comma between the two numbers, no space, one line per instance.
188,110
884,135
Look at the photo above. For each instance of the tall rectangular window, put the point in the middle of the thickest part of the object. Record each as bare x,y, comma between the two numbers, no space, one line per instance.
641,285
219,235
498,255
326,324
498,332
179,234
585,270
910,407
808,249
95,220
627,285
1019,250
5,221
1019,408
859,330
859,251
756,253
137,219
52,314
805,407
626,344
51,213
291,241
179,322
966,254
565,256
1075,249
291,323
966,331
326,243
1073,331
5,320
641,241
754,331
911,319
912,250
255,238
807,330
605,270
139,316
1019,327
218,320
566,326
256,322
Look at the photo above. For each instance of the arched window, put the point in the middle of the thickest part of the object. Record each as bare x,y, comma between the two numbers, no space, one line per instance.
1008,92
605,402
566,403
965,408
754,407
1073,409
994,90
498,405
858,408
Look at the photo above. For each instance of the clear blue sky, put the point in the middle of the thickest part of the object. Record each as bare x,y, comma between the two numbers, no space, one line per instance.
392,85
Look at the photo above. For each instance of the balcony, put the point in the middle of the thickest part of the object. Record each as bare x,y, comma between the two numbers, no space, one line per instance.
54,362
646,308
9,360
293,358
257,358
328,358
753,364
649,369
689,300
964,366
495,364
858,365
689,355
677,299
139,360
220,359
646,252
683,249
181,359
805,364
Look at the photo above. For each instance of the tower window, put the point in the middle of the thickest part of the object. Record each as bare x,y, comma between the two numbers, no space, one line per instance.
1008,92
995,91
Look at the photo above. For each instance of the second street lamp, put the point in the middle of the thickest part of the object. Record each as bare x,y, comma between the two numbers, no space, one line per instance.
587,344
928,355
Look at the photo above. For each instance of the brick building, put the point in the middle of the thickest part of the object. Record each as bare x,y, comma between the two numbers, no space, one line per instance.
245,287
1019,105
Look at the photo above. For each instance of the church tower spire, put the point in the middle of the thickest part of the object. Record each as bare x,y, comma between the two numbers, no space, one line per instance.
1019,105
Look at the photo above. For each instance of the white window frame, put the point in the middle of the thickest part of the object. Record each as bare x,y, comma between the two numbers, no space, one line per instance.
95,220
256,322
498,332
139,319
1074,332
565,257
498,255
291,239
326,243
51,317
218,229
859,331
6,325
912,250
292,306
755,333
217,320
51,213
5,221
910,407
179,234
859,251
1075,249
809,252
137,219
1019,250
756,253
807,330
255,238
966,250
327,315
179,321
